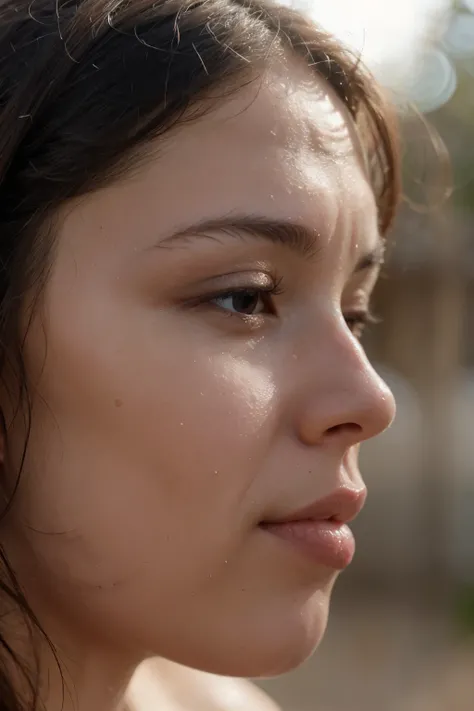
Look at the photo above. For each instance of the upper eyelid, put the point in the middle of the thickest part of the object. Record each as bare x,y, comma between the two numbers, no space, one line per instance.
234,281
214,293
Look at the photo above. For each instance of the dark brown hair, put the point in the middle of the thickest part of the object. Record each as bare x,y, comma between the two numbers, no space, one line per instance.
85,86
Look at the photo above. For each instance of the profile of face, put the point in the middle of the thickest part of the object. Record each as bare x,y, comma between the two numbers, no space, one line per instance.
197,380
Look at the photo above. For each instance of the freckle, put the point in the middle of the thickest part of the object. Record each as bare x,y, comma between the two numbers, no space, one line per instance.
118,402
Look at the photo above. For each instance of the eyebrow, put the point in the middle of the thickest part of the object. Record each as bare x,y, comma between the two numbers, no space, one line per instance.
293,235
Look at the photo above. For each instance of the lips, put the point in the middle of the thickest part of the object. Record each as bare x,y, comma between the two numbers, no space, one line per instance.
342,505
320,531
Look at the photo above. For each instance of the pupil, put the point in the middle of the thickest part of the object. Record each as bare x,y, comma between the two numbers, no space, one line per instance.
245,302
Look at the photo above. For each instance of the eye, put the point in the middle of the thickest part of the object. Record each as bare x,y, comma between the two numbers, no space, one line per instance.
246,302
357,321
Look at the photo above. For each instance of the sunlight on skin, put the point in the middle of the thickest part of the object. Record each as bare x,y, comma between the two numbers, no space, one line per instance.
179,419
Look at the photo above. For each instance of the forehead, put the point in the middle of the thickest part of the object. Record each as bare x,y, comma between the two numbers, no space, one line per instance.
295,108
283,140
284,147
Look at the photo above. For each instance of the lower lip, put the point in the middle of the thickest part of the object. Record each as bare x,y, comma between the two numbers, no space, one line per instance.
328,543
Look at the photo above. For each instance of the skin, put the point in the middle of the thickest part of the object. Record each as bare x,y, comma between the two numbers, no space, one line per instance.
166,426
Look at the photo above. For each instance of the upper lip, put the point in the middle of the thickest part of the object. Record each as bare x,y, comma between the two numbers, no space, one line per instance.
342,506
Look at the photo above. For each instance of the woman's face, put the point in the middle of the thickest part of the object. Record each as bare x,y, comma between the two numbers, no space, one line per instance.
197,371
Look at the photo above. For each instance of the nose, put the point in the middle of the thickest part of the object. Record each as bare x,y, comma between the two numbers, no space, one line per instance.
344,401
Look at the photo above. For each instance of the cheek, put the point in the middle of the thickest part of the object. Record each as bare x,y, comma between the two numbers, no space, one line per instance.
146,468
247,394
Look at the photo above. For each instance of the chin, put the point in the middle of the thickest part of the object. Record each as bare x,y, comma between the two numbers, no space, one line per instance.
285,655
274,645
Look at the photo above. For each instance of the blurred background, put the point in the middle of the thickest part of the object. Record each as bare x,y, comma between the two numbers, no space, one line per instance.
401,632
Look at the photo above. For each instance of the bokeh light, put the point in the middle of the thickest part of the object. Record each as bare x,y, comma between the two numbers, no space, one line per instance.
459,36
433,82
395,39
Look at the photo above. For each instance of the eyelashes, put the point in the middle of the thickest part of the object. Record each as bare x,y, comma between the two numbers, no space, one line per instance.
255,303
249,301
357,321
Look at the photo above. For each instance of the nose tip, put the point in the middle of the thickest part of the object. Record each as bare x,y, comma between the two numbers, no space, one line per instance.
348,417
365,402
380,408
344,401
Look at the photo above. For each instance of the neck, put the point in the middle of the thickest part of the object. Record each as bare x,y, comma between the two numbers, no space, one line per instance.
67,674
95,683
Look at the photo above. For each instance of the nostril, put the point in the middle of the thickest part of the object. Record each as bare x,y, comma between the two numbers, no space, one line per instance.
346,428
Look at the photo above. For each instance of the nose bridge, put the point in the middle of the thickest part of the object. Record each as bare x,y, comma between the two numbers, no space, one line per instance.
344,393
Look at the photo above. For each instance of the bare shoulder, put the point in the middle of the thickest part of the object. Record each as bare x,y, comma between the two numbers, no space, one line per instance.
171,687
